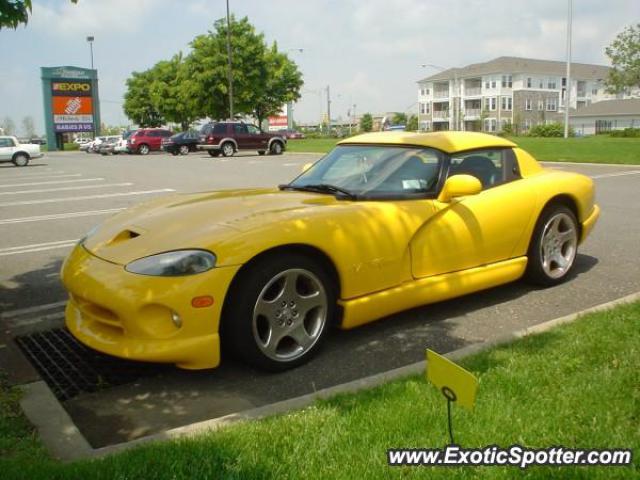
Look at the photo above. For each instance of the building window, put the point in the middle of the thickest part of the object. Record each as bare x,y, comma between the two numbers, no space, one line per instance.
507,81
528,104
492,102
594,91
529,83
506,103
551,83
541,83
422,109
552,104
493,82
427,108
527,124
422,91
540,105
486,83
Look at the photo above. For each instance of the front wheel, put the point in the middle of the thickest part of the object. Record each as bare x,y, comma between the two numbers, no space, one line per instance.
278,312
143,149
553,247
21,160
213,153
276,148
184,149
227,149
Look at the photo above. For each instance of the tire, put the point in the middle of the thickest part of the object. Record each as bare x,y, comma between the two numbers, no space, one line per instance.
260,330
276,148
144,149
174,153
213,153
184,149
228,149
21,159
553,247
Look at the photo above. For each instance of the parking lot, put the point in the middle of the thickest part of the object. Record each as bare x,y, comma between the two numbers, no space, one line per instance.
46,207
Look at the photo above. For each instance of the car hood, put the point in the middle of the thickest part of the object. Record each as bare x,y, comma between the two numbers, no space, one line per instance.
199,220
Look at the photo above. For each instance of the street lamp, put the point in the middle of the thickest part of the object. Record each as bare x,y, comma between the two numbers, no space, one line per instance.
90,40
455,90
290,103
230,73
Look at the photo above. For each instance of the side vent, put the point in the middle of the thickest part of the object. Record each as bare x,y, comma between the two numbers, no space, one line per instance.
124,235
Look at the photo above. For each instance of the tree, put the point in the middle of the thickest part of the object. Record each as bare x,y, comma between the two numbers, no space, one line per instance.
412,123
366,122
28,127
624,54
399,118
15,12
8,126
138,104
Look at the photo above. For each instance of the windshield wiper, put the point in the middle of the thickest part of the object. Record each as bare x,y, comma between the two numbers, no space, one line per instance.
320,188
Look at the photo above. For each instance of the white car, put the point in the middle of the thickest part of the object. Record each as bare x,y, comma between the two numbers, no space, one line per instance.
11,150
121,145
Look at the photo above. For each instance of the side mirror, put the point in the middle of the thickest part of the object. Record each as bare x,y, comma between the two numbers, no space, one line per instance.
459,186
306,167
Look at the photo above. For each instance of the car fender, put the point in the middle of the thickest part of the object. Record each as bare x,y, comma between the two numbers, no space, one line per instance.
280,139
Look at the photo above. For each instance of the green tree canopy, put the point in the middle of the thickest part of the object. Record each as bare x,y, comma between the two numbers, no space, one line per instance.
366,122
15,12
399,118
138,103
624,53
412,123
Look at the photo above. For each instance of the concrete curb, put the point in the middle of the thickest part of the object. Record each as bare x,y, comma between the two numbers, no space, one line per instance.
64,440
558,162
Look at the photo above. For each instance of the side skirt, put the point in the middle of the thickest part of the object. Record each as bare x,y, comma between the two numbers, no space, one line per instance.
423,291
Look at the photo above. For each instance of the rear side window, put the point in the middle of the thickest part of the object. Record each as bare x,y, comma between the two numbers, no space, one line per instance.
491,166
220,128
6,142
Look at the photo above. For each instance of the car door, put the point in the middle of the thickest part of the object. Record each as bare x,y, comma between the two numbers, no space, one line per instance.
478,229
259,141
241,135
6,149
155,139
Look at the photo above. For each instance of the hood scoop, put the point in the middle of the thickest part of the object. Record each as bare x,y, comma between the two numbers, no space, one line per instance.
124,235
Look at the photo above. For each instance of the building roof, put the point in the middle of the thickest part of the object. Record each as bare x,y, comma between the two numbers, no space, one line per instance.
449,141
629,106
582,71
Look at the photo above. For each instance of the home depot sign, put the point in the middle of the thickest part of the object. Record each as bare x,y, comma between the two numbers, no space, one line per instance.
72,106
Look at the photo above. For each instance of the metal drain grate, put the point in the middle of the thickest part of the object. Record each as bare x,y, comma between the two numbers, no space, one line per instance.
70,368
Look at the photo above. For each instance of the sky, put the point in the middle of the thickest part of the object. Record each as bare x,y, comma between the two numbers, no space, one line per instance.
369,52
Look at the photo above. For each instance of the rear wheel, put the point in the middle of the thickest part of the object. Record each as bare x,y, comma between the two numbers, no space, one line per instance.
553,247
228,149
278,312
20,160
184,149
143,149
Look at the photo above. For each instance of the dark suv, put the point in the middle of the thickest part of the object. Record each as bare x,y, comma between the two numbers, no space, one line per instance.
226,138
146,140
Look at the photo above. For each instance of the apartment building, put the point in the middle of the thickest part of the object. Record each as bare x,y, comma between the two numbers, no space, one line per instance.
522,92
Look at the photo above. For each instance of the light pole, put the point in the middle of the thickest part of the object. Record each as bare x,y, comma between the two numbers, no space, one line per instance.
455,90
567,96
90,40
230,73
290,103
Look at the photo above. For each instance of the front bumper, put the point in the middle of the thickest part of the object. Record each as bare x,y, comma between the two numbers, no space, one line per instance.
130,316
589,223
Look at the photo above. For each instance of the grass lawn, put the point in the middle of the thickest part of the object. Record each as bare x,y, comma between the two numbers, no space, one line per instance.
576,386
594,149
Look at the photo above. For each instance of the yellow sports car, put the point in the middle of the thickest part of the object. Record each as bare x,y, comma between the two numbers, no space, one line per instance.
383,223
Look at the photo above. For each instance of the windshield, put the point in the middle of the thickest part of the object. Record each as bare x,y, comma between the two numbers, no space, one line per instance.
376,170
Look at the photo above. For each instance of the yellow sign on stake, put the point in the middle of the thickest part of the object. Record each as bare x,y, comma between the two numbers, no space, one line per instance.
455,383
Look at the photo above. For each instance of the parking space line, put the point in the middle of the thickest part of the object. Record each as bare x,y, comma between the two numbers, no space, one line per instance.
44,175
59,216
86,197
34,174
34,184
63,189
36,247
617,174
30,310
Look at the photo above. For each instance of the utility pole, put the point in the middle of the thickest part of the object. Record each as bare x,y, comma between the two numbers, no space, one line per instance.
567,96
328,110
229,61
90,40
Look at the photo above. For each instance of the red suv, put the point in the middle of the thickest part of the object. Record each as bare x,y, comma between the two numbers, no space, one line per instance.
226,138
146,140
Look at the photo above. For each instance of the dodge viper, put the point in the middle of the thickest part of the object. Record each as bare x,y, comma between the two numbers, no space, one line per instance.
384,222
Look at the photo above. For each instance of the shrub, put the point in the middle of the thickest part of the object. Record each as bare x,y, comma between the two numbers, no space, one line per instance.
550,130
627,132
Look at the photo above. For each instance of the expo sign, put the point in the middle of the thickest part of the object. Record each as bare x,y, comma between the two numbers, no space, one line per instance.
68,88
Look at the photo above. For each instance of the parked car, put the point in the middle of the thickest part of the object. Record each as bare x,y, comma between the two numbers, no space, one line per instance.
291,134
38,141
147,140
122,145
11,150
86,146
107,147
383,223
226,138
181,143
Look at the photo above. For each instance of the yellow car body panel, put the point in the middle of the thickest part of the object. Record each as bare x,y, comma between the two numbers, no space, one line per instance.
389,255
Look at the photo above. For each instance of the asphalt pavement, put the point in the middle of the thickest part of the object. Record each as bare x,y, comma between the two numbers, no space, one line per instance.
46,207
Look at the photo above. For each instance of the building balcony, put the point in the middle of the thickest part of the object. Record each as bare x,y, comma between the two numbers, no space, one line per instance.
471,112
472,92
441,94
440,114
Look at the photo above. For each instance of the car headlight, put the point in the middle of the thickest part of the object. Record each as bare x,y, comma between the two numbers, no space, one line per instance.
174,264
